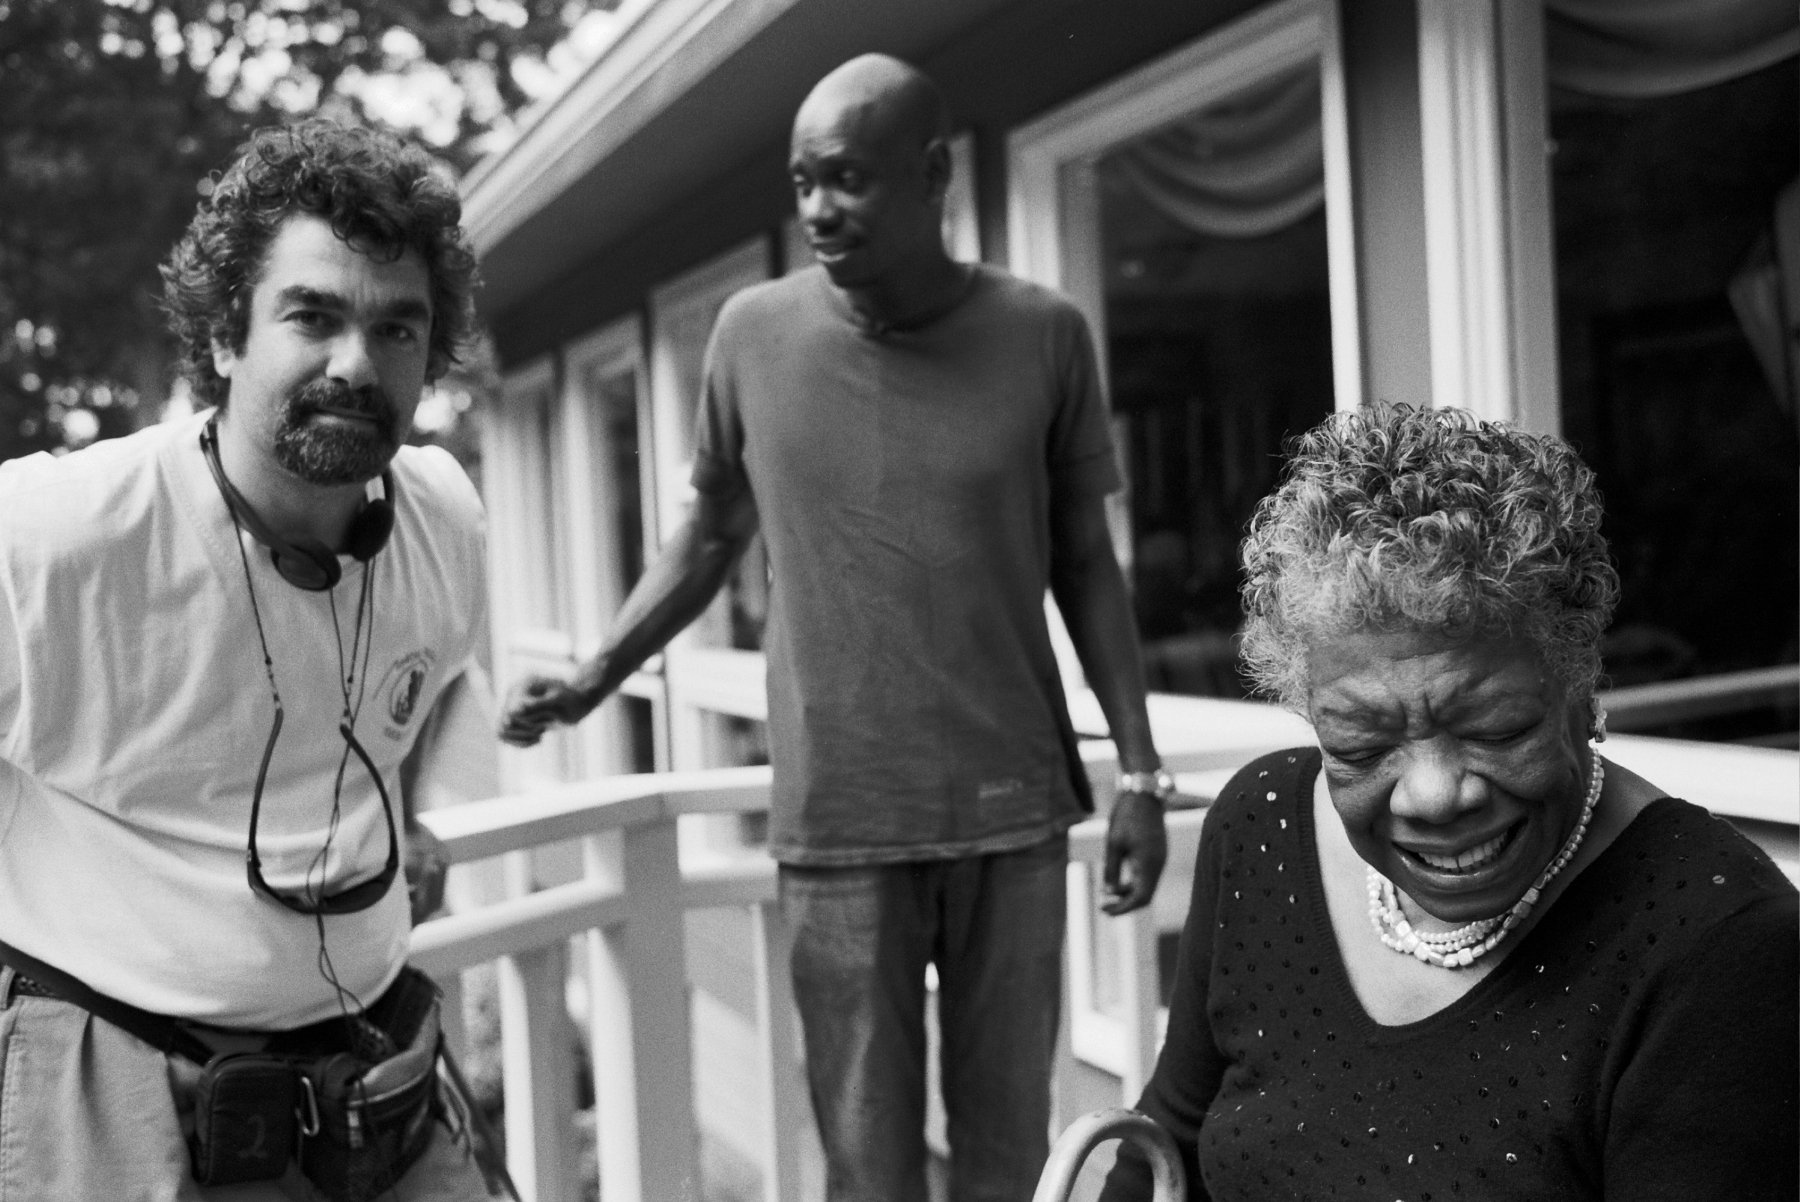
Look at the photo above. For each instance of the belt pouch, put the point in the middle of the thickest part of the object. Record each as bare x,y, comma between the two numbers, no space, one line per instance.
375,1119
366,1140
244,1119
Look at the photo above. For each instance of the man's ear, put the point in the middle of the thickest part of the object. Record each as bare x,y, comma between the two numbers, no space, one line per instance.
937,168
224,359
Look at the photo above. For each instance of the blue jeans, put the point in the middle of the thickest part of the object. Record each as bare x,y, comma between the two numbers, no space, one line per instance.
862,937
88,1112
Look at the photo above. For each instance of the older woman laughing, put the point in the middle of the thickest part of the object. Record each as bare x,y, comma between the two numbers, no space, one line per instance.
1452,953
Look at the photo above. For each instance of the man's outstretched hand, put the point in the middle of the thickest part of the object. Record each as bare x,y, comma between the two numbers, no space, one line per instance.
537,703
1136,846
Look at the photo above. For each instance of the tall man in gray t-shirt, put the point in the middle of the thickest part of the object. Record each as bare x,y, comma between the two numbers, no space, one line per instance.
924,446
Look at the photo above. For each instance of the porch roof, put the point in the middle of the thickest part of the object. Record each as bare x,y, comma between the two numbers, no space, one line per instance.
689,89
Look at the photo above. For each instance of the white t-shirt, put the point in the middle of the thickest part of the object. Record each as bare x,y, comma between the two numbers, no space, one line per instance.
134,708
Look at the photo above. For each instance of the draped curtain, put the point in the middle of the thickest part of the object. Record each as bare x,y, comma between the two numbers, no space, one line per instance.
1647,49
1765,295
1252,165
1240,169
1638,49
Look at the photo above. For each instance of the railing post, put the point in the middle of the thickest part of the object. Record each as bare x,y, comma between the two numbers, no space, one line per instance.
1121,952
1134,937
535,1043
641,1036
784,1101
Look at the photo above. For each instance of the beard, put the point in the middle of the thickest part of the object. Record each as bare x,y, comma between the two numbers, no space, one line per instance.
336,452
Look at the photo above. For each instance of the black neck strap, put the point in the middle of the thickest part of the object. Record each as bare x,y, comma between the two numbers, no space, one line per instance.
303,562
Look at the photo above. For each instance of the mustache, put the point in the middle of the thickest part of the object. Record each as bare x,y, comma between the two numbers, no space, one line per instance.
369,401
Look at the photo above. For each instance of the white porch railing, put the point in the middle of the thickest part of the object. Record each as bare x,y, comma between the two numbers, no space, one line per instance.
629,905
626,911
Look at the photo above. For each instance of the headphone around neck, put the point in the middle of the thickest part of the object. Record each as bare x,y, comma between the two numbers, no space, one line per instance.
305,563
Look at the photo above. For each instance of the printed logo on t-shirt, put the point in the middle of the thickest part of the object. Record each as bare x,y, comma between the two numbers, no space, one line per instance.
401,687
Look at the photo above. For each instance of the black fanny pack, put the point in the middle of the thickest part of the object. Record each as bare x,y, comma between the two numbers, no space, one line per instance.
352,1100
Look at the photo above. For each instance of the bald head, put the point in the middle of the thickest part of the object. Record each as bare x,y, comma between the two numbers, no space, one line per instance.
870,162
891,102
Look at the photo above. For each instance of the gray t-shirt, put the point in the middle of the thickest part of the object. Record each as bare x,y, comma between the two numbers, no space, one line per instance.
904,482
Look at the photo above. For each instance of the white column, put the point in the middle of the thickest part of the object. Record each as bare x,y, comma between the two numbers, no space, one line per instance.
1530,223
1340,214
1489,271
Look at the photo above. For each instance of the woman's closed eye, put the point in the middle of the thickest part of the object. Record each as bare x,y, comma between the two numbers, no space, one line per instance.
1504,736
1356,757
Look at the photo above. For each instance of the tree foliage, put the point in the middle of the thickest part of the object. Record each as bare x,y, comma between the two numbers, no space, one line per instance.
114,112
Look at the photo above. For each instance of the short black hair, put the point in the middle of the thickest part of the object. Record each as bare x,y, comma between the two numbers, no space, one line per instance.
379,193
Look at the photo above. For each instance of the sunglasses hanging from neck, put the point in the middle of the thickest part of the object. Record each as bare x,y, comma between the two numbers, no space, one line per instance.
303,567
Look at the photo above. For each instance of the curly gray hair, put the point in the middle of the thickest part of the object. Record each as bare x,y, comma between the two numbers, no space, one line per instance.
1395,518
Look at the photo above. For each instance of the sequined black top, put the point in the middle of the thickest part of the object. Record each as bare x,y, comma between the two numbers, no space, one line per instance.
1639,1042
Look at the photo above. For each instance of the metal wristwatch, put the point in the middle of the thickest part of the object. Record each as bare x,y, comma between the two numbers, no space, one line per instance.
1158,784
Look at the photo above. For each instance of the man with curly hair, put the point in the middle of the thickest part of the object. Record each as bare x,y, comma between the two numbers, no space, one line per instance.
222,642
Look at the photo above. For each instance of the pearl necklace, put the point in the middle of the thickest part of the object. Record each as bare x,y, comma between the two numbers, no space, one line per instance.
1464,945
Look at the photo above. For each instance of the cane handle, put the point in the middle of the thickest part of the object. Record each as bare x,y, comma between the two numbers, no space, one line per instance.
1089,1131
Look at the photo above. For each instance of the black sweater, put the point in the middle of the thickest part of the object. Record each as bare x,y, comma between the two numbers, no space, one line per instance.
1637,1043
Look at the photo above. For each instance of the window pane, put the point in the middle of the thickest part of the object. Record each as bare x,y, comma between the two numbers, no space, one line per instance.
640,723
1663,211
616,409
1219,342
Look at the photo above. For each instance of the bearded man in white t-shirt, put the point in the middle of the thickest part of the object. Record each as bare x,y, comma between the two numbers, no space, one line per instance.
220,640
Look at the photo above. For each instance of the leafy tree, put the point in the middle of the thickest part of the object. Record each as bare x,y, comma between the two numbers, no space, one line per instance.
112,112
